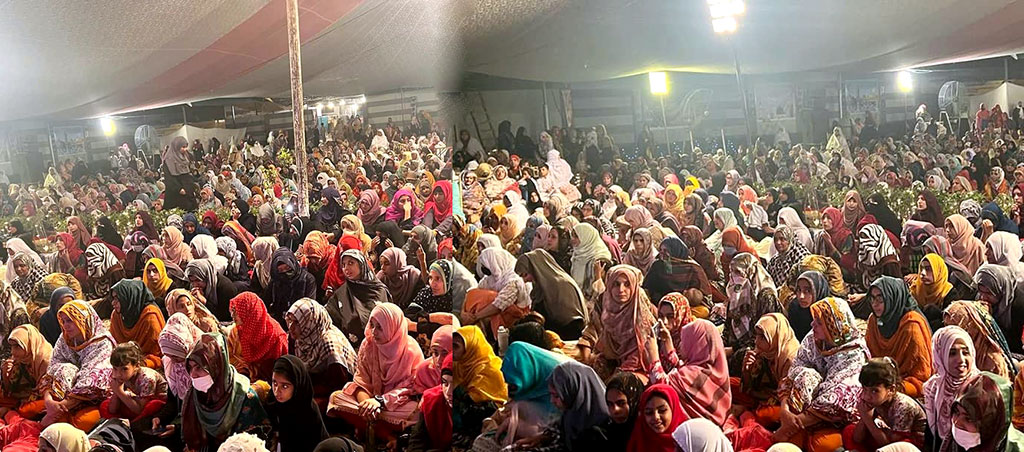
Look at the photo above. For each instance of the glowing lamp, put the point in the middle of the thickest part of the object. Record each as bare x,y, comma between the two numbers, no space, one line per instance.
108,126
904,81
659,82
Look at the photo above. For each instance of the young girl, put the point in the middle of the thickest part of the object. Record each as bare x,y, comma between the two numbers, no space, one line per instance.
886,414
296,417
138,392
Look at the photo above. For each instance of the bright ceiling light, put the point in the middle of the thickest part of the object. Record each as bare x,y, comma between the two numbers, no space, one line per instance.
659,82
904,81
108,126
726,8
724,24
330,104
320,106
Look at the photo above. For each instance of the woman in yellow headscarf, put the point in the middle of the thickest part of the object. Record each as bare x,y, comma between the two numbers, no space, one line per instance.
674,197
690,185
932,282
352,225
156,279
477,368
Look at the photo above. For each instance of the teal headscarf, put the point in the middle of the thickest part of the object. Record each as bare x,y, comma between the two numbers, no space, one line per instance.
897,303
528,367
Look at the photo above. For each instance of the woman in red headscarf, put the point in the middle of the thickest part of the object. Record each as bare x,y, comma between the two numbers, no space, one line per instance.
661,414
260,338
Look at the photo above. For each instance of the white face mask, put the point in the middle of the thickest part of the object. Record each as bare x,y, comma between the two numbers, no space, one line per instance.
203,384
966,439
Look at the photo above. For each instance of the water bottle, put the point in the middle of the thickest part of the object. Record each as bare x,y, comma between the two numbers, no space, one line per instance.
502,340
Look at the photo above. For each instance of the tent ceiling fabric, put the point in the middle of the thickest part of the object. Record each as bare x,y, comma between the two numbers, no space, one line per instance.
75,59
586,40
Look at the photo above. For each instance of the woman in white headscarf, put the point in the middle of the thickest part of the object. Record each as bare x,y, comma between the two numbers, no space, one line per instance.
789,217
588,247
723,218
379,140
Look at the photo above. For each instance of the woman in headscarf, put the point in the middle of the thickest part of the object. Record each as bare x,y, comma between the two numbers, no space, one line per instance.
176,340
402,280
104,270
997,184
474,197
981,416
961,278
403,209
261,339
622,397
437,211
823,379
370,211
559,244
324,349
267,221
144,224
675,271
331,210
555,295
878,207
16,230
387,360
897,329
642,252
853,210
700,376
293,412
932,289
765,368
241,214
639,217
751,295
137,318
262,249
105,231
78,229
512,298
134,246
237,269
288,283
68,257
734,242
27,274
182,301
221,401
627,317
967,249
351,225
178,253
205,247
1004,248
351,304
16,246
242,238
876,254
841,237
791,251
723,219
438,294
998,289
693,237
992,352
580,394
953,355
80,367
587,248
23,383
674,202
157,277
423,238
788,217
479,384
316,255
510,233
653,431
527,370
928,209
210,288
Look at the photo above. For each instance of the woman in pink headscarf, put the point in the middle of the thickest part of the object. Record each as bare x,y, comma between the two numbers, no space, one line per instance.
428,373
385,368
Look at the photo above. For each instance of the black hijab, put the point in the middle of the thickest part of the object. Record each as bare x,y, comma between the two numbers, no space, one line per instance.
297,420
105,231
877,205
286,287
632,387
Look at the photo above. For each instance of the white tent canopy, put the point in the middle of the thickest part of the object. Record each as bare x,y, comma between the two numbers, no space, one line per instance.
73,59
1005,95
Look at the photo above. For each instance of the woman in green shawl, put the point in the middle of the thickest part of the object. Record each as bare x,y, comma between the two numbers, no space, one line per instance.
221,401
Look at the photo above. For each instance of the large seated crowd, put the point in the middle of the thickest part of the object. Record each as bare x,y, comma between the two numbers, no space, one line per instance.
707,300
221,318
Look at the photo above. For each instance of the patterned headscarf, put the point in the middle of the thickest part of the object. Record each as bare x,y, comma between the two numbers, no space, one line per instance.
317,341
837,321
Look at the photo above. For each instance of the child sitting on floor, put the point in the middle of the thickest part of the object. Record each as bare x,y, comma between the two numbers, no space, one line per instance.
137,392
886,415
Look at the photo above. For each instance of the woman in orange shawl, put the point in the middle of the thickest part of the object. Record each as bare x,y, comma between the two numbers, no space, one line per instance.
734,243
242,238
22,382
137,318
765,367
898,329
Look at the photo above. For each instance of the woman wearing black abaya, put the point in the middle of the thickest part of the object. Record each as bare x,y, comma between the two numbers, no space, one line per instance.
177,176
292,411
105,231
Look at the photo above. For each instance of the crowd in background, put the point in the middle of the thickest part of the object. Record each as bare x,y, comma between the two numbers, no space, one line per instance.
710,300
